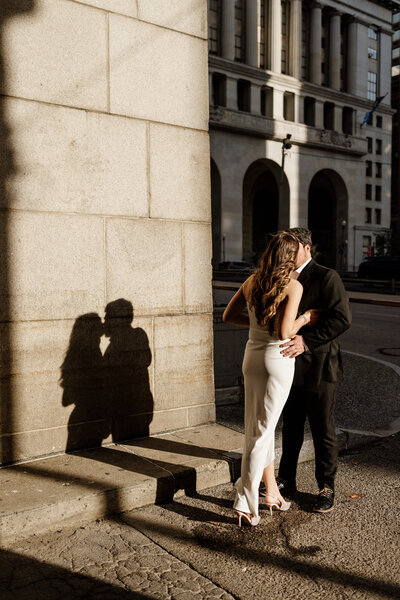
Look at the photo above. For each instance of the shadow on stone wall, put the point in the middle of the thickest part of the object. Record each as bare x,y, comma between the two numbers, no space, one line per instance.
111,393
8,10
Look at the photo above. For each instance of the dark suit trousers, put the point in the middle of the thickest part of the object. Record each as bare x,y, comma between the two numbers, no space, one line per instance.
319,406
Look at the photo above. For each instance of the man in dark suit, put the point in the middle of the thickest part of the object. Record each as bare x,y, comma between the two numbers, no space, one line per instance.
318,370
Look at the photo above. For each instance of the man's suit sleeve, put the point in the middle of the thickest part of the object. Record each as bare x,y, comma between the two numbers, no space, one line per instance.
336,315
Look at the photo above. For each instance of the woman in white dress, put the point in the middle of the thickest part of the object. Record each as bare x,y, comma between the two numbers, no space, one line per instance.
272,296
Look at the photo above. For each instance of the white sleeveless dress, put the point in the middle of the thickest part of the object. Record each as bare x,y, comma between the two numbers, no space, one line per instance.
268,378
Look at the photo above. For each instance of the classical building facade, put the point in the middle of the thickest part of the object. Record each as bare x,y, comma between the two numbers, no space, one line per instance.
290,84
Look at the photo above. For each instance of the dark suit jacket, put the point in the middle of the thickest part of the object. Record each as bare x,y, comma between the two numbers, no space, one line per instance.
323,289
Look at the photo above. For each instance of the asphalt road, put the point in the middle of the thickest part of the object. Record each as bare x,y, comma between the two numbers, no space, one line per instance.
375,332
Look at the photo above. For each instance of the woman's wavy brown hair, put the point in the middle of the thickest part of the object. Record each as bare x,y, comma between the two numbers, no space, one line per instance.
272,276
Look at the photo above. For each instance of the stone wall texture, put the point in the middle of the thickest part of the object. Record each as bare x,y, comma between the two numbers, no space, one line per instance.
105,215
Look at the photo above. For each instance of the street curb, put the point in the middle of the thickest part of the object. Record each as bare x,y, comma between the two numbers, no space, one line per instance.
374,301
88,506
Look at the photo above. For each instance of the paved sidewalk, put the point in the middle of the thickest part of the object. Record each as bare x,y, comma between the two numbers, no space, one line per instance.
192,548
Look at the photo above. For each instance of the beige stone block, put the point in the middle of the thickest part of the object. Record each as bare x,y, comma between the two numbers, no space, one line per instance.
179,179
144,264
75,161
183,369
123,7
59,377
47,57
189,16
168,420
55,266
198,271
158,74
198,415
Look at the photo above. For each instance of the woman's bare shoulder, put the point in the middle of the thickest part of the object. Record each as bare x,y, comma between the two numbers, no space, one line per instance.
248,286
294,285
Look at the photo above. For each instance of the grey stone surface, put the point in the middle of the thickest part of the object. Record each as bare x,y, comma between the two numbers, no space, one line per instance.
348,553
101,560
193,548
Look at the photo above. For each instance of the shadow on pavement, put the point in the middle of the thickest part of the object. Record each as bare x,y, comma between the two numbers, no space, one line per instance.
23,578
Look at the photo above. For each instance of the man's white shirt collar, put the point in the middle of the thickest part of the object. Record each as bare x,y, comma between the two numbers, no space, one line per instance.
299,269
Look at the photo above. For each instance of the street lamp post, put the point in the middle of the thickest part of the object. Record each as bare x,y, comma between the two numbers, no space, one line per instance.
286,145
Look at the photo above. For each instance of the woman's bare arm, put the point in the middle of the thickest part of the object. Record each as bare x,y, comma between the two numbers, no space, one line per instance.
234,311
289,325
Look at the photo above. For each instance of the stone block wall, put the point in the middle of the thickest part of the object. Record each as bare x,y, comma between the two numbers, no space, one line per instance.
105,202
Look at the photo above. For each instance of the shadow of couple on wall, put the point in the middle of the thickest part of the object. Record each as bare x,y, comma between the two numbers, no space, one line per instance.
110,393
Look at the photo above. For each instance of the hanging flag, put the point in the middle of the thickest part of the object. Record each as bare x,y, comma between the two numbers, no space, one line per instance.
377,102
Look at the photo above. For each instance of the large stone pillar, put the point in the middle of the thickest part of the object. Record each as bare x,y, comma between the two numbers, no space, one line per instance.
385,46
228,30
295,38
275,33
251,33
334,50
315,43
357,66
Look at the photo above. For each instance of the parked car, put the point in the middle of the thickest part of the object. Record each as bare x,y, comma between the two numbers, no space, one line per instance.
380,267
235,265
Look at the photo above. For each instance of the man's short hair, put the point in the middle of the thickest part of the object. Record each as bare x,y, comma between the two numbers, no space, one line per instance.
303,235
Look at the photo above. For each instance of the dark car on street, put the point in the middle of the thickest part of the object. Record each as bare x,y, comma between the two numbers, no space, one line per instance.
380,267
234,265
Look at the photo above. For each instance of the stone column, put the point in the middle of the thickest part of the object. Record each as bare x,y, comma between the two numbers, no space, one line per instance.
357,66
319,114
228,29
251,33
315,43
275,32
295,38
231,93
385,46
334,50
255,99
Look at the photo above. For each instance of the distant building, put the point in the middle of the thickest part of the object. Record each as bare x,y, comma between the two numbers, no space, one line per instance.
311,71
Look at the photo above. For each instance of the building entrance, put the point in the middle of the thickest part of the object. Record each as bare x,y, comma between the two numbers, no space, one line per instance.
265,207
327,218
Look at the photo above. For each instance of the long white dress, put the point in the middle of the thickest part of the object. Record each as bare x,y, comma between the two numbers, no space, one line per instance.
268,378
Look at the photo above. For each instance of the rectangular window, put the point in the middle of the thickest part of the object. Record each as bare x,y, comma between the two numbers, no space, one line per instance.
304,43
288,106
396,53
370,147
267,101
239,30
262,45
372,53
378,145
368,214
368,170
244,95
219,89
371,86
366,242
378,170
372,34
378,216
378,121
285,37
214,15
378,193
368,191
